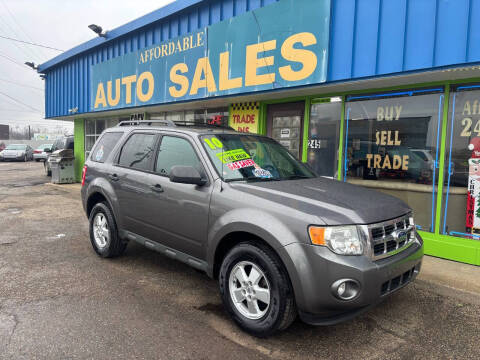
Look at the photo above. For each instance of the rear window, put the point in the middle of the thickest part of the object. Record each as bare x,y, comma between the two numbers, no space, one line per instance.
138,151
104,146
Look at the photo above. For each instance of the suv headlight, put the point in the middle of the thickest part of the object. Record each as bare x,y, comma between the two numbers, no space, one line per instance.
342,240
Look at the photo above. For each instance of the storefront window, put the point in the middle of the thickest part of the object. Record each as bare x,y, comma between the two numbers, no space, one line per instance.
461,207
392,145
93,129
323,135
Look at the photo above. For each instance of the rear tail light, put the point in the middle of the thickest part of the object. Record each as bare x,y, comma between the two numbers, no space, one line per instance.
37,152
84,174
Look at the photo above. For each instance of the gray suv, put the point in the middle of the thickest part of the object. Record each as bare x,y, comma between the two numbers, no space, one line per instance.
280,240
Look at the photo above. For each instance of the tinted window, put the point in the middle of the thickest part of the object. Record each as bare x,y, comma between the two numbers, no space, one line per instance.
105,146
137,151
175,151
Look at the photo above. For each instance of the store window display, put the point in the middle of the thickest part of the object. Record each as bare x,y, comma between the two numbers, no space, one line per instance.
392,144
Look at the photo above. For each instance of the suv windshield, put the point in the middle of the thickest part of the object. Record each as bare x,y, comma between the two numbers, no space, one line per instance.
16,147
254,158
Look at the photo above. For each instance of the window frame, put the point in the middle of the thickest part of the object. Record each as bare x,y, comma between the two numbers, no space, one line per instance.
186,138
118,153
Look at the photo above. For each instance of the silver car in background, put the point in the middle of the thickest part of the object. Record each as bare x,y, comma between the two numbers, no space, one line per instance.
41,153
17,152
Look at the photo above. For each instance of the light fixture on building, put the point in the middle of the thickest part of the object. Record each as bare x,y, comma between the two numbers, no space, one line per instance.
73,110
336,99
31,64
98,30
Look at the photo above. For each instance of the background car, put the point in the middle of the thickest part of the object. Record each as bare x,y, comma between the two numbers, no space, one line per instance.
65,142
18,152
41,152
2,146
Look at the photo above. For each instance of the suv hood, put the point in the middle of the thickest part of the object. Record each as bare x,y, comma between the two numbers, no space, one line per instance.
335,202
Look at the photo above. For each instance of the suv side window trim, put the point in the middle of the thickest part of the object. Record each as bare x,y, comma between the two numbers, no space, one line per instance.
195,150
123,142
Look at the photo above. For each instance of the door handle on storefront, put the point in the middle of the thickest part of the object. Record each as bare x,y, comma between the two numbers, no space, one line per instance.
157,188
114,177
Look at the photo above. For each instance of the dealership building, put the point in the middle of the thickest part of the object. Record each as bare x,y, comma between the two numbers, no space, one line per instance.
379,93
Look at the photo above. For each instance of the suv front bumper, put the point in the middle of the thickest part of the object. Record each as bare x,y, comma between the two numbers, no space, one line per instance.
313,270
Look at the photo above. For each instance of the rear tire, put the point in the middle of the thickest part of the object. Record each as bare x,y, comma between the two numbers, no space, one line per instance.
257,261
104,232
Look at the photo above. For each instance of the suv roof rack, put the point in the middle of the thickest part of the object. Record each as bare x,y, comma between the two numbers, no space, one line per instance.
174,124
146,122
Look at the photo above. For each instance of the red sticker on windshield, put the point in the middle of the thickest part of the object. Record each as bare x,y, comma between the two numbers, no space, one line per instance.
241,164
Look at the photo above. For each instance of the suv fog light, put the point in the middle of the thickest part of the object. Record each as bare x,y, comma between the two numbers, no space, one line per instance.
345,289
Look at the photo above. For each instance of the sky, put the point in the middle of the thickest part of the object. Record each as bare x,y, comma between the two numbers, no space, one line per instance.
60,24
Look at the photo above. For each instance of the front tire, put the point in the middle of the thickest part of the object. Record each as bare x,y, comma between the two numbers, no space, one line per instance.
256,290
104,233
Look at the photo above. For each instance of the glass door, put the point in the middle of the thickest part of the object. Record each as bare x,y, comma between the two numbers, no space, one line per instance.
285,125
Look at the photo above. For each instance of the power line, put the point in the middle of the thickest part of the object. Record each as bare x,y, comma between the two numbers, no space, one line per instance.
23,49
20,102
30,43
16,83
42,53
13,61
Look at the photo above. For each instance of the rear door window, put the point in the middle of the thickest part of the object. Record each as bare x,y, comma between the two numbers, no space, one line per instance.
137,152
104,146
175,151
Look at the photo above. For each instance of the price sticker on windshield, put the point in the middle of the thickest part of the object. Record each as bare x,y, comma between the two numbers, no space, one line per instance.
232,156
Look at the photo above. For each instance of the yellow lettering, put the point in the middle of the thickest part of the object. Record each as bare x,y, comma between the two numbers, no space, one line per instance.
158,52
225,83
164,50
171,48
253,63
203,77
397,141
386,163
113,101
376,161
369,160
127,81
397,162
186,43
179,46
200,38
178,79
307,58
142,60
405,162
147,75
100,98
466,109
380,113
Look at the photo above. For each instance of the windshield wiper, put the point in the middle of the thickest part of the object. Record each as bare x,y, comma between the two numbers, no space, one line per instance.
293,177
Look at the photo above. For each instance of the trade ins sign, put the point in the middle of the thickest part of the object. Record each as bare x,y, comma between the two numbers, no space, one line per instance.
280,45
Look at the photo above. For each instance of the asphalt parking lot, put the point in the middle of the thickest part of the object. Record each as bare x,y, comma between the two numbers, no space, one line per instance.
58,300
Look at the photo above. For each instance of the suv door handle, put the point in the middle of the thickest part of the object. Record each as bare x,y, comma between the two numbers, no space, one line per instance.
114,177
157,188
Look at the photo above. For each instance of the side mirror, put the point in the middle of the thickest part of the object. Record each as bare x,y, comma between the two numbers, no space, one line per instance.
186,175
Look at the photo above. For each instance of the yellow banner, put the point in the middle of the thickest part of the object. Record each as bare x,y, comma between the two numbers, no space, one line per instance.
244,117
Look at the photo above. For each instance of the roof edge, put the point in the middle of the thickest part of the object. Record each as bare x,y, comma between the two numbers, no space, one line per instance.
129,27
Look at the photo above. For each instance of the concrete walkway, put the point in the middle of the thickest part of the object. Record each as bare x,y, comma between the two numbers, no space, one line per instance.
462,278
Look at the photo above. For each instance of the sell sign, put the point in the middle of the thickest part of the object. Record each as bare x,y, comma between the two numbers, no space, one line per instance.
281,45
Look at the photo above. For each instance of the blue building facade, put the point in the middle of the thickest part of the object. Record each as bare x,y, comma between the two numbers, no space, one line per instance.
380,93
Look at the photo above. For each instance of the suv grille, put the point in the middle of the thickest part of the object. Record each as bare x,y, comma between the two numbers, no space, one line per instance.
391,237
